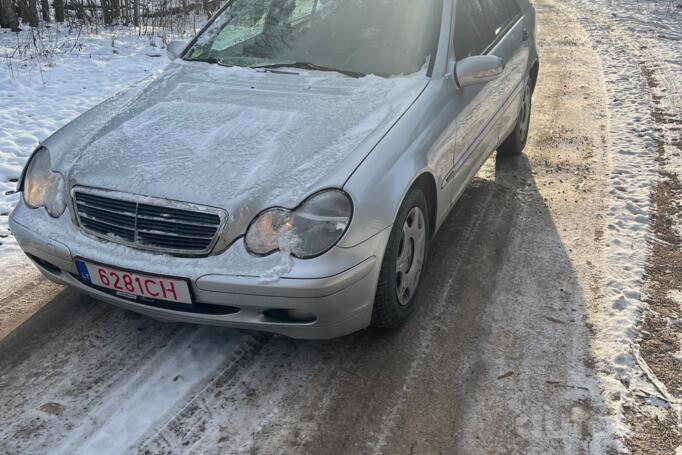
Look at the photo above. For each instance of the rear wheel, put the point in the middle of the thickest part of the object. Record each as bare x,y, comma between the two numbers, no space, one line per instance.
516,141
403,262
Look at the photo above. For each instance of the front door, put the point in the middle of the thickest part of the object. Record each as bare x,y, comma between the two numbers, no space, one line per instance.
511,43
476,106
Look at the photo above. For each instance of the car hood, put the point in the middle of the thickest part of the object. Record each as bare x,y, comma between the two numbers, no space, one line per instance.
233,138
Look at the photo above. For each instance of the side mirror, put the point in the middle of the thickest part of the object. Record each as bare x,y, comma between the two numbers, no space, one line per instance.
175,49
478,70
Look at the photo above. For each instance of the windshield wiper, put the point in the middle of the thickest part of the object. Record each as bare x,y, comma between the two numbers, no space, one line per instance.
310,66
211,60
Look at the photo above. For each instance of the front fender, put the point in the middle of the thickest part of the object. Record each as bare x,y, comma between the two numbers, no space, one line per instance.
420,143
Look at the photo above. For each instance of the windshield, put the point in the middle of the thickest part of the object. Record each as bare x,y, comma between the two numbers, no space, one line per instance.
381,37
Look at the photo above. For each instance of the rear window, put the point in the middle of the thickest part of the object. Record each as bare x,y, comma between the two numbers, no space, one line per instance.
501,14
472,32
479,23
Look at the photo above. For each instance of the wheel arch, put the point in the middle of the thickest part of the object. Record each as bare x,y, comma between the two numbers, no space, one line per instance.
426,182
534,74
387,198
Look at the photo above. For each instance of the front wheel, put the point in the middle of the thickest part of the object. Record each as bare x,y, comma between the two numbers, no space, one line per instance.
403,262
516,141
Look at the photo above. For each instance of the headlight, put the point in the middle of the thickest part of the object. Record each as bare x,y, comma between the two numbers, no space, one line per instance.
306,232
42,187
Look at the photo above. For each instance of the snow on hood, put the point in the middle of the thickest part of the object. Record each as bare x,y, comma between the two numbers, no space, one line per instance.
231,137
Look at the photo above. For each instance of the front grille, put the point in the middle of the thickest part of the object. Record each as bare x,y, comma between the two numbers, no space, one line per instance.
147,223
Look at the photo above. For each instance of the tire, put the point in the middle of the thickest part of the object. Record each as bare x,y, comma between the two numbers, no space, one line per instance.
403,263
516,141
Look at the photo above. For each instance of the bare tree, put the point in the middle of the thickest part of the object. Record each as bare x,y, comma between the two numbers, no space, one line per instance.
8,15
136,13
4,18
45,10
58,10
149,16
106,12
115,9
30,11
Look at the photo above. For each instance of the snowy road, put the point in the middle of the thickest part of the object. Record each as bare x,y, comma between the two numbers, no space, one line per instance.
498,357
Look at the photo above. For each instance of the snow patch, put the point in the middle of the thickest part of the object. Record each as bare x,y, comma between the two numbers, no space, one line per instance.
634,144
287,241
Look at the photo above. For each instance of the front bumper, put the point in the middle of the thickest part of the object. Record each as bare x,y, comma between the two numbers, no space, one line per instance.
338,288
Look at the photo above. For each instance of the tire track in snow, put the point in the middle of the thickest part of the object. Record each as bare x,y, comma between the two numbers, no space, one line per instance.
182,428
155,390
81,376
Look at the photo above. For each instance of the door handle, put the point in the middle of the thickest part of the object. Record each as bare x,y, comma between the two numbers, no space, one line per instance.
526,34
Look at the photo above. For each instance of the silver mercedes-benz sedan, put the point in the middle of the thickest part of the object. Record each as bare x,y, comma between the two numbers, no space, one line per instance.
286,171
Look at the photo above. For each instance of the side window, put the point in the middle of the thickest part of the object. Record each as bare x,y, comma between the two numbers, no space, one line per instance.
501,14
472,33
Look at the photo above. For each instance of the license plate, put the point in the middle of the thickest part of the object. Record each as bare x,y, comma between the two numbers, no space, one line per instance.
132,285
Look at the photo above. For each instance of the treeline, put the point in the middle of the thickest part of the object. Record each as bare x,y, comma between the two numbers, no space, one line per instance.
15,13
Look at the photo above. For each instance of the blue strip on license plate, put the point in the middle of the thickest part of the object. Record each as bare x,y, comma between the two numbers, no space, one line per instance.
83,270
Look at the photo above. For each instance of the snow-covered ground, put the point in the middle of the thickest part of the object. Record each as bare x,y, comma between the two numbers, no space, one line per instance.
40,95
640,45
